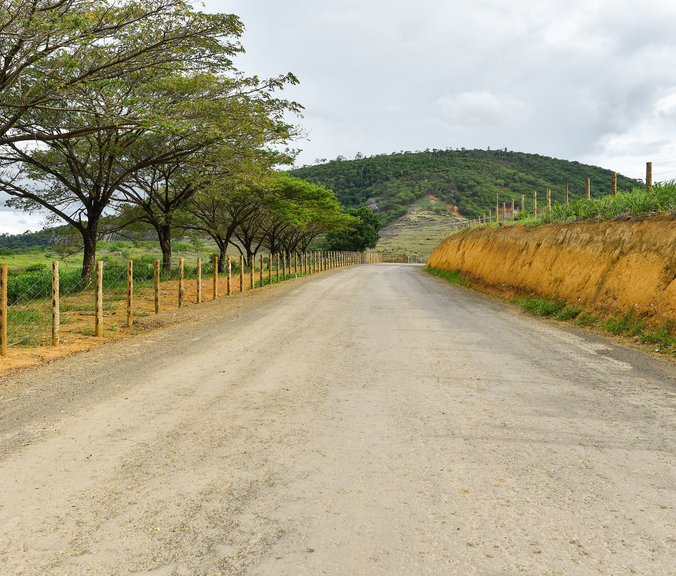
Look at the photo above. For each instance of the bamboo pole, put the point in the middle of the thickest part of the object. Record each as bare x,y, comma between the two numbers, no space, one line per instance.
613,184
565,193
241,273
98,316
215,277
181,287
3,309
56,318
649,177
199,280
156,279
130,293
587,188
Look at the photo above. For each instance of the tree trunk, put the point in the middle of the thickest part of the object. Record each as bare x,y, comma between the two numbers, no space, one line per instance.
223,254
89,236
164,236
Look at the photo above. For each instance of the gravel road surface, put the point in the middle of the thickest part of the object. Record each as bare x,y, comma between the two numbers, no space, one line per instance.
369,420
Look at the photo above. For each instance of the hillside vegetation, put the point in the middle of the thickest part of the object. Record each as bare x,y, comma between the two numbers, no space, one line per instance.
468,179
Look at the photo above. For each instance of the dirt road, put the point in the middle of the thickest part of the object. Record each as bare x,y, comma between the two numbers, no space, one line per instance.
372,420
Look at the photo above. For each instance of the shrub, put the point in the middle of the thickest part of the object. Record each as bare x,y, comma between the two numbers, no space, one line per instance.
452,276
542,306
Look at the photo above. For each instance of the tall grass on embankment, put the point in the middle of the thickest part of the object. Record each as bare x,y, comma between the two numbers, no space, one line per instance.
628,324
638,203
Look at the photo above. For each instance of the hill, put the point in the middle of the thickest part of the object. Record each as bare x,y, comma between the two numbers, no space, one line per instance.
466,179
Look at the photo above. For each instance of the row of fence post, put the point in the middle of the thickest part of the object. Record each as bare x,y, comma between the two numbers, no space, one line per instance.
303,263
587,189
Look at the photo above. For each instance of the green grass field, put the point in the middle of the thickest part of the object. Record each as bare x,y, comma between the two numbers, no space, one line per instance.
145,252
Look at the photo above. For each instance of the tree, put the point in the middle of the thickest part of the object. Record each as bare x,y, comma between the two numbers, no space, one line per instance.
228,129
51,49
361,235
219,209
298,212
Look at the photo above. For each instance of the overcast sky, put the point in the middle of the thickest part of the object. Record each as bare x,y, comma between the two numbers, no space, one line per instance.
593,81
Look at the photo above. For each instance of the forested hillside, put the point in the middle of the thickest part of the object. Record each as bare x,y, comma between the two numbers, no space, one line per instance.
468,179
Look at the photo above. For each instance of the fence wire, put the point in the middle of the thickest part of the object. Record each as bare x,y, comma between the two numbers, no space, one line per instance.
29,293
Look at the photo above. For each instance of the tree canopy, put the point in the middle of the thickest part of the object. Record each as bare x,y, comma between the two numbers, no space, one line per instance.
361,234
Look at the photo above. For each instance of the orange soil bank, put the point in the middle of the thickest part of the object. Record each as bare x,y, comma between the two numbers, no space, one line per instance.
610,266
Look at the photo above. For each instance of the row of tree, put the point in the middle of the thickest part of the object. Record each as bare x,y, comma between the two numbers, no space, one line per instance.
115,113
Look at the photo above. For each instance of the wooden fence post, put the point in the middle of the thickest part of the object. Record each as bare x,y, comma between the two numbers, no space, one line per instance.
130,293
215,277
523,202
565,193
241,273
181,287
261,270
512,215
3,309
549,199
649,177
270,268
98,315
504,211
229,286
252,272
156,278
587,188
535,203
613,184
56,318
490,215
199,280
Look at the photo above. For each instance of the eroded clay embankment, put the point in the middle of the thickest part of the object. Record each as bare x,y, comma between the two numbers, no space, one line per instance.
609,265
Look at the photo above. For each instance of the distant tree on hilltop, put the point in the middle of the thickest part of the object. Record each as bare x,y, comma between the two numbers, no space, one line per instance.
469,179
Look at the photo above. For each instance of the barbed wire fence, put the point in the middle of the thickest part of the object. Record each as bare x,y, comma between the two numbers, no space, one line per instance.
57,305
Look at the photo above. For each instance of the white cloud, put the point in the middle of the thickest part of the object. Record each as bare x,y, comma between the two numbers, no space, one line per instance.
649,138
481,108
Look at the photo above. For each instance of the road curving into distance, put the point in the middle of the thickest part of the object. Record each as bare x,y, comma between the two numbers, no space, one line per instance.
370,420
